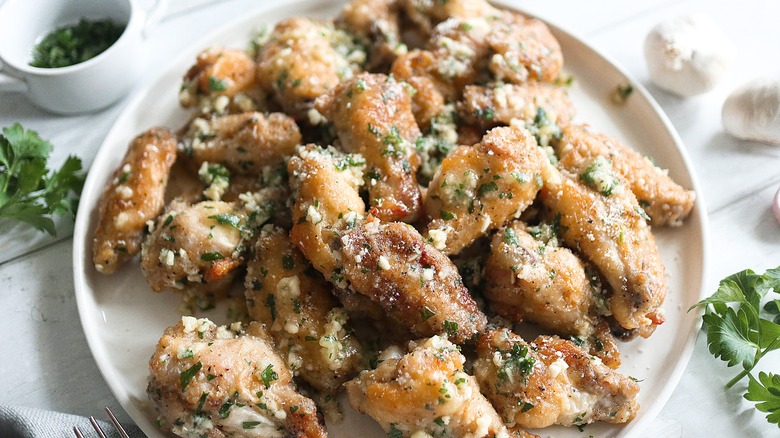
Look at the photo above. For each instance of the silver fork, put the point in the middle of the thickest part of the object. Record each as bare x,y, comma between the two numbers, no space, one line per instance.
99,430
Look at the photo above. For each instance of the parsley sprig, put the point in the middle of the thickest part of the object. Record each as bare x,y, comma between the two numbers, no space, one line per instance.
28,192
740,331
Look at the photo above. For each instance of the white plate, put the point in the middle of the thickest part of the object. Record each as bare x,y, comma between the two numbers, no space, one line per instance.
123,319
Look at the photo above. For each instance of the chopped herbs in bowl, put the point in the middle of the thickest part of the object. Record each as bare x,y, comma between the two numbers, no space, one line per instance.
76,43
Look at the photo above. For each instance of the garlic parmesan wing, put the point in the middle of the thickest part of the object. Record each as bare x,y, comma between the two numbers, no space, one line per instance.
195,248
372,115
507,104
304,59
531,278
666,202
294,303
134,196
327,203
223,382
427,14
479,188
221,80
533,281
377,24
413,282
426,392
243,143
604,223
523,49
551,381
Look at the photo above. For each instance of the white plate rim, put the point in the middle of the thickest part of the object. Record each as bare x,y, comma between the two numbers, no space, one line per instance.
93,189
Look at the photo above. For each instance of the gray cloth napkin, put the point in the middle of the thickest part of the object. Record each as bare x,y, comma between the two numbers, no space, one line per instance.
24,422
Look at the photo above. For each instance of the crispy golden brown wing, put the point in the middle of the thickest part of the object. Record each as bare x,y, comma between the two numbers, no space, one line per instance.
303,59
551,381
479,188
665,201
372,115
411,280
604,223
134,196
244,143
425,391
312,333
223,382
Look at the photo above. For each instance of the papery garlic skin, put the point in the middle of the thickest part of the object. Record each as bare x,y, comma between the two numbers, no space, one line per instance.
752,111
688,55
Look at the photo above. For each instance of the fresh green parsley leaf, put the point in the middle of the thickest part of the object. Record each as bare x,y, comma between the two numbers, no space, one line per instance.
27,192
737,333
766,393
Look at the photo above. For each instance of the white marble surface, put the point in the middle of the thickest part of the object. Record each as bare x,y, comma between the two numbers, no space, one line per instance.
47,363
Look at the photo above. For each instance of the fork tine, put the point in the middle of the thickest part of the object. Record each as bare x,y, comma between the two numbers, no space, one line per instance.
77,431
116,424
97,428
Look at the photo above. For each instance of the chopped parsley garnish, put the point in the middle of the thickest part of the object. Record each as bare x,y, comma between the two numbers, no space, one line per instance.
186,376
516,359
426,313
75,43
510,237
446,215
394,432
288,262
227,219
249,424
269,375
484,189
217,84
211,256
451,327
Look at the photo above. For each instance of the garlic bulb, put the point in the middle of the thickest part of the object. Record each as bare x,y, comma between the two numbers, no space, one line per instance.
752,111
776,206
688,55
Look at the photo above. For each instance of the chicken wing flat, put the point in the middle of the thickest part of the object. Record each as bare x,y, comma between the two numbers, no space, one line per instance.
480,188
426,392
509,104
327,203
294,303
412,281
427,14
523,49
195,249
665,201
244,143
134,196
303,59
551,381
377,24
604,223
540,283
221,382
221,80
372,114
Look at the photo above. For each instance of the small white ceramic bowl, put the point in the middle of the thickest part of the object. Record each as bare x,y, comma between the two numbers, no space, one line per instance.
84,87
